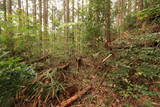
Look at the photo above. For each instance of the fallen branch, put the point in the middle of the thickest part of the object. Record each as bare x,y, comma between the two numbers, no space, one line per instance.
106,58
156,104
64,67
75,97
41,58
156,82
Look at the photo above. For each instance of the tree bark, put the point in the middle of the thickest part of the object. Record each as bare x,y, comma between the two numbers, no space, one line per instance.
135,5
19,12
108,24
5,11
9,7
45,17
27,7
140,5
129,6
34,12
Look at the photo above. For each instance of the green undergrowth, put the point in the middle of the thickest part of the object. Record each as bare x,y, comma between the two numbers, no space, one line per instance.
20,84
135,71
13,76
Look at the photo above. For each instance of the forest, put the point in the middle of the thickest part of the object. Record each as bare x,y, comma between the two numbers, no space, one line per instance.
79,53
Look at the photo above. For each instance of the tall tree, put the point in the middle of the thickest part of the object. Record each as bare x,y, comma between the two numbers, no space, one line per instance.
34,11
9,7
82,9
140,5
5,11
27,7
73,20
129,6
67,16
73,13
108,24
68,11
40,24
40,14
19,12
45,16
135,5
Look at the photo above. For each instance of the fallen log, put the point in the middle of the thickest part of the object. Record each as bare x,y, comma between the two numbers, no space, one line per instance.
75,97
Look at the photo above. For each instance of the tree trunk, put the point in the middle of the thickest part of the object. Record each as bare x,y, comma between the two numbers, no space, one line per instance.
40,24
108,24
68,20
34,12
5,12
73,27
129,6
45,17
82,9
9,7
135,5
19,12
140,5
40,15
27,7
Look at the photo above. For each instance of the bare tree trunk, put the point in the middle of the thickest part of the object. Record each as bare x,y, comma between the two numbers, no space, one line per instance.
82,9
40,24
73,15
27,7
129,6
5,11
67,16
73,27
135,5
53,16
140,5
45,17
34,11
40,15
78,27
68,20
108,24
9,7
19,12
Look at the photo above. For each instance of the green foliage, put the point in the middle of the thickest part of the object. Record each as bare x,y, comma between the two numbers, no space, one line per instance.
20,37
130,22
95,19
149,14
46,86
136,67
151,3
147,39
18,79
13,76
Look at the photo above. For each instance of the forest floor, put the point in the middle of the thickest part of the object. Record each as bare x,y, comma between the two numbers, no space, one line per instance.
89,71
88,79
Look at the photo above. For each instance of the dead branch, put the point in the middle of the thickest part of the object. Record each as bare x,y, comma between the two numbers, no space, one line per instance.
40,58
106,58
156,82
63,67
75,97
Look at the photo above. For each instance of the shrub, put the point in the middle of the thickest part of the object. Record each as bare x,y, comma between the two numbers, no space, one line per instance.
134,69
13,76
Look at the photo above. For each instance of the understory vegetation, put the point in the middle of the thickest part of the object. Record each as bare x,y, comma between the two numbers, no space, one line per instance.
80,53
